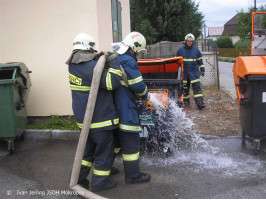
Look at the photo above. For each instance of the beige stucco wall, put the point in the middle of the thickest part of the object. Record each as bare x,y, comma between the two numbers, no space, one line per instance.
40,34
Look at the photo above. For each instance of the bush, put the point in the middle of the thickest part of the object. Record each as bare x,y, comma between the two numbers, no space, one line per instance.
243,43
210,42
225,42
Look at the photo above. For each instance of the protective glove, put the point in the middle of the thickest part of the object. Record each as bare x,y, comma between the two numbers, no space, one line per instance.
98,55
202,73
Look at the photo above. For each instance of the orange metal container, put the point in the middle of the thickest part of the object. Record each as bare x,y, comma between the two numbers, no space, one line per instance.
162,97
248,65
162,76
160,65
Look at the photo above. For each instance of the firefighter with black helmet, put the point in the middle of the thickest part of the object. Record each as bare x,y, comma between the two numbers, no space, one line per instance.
99,147
125,101
193,68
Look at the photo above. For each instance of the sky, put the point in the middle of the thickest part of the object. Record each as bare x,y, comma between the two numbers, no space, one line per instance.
218,12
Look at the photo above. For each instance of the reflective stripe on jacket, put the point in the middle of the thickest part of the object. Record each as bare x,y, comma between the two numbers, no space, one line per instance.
125,95
193,63
80,76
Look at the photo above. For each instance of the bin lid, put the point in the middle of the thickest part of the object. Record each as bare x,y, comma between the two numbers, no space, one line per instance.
22,67
159,65
250,65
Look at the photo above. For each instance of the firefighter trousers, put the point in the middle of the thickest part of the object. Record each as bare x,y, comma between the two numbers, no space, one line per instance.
117,145
99,149
198,97
130,144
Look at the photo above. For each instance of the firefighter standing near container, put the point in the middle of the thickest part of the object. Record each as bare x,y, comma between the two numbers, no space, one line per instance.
193,68
125,101
99,147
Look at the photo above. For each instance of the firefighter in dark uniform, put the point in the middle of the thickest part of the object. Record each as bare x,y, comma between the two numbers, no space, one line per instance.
99,148
193,68
125,101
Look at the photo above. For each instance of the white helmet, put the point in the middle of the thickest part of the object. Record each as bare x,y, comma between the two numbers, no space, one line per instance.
134,40
83,41
189,37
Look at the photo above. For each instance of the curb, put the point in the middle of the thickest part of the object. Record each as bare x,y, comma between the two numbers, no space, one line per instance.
30,134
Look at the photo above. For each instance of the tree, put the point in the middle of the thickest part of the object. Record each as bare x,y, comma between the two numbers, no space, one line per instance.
165,20
245,22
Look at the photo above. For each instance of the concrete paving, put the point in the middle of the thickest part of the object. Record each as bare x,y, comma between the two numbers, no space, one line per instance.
225,168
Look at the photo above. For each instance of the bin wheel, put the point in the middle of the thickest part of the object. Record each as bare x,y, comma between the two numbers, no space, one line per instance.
10,147
256,146
243,135
21,138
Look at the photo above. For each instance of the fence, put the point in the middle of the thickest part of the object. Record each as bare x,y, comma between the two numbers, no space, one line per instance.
167,49
233,52
162,49
204,45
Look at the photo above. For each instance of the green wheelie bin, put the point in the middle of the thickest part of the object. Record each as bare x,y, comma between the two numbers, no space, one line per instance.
14,90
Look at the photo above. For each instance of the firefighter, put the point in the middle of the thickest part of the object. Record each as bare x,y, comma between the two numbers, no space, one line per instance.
193,68
99,147
125,102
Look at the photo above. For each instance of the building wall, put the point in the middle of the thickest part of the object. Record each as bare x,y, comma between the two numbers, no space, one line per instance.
40,34
235,39
104,24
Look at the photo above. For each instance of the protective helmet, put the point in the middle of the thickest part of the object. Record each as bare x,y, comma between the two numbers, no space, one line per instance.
189,37
83,41
134,40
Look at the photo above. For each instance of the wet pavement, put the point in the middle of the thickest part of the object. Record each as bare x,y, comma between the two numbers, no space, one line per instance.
224,168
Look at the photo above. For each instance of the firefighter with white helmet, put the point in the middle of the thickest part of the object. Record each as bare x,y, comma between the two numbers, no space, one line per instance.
193,68
125,102
84,41
99,147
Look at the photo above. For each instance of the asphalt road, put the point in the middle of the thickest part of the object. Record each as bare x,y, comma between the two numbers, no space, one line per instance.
217,168
226,78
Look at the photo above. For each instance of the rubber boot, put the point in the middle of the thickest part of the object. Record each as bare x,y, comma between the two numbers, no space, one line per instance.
200,106
105,186
186,104
85,184
114,171
142,178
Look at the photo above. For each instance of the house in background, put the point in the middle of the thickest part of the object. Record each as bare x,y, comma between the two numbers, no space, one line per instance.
40,34
230,28
215,32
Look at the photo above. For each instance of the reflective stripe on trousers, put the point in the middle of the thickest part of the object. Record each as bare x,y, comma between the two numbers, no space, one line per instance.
101,172
86,163
101,124
129,128
130,157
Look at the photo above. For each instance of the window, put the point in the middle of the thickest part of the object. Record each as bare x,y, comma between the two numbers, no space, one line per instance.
116,20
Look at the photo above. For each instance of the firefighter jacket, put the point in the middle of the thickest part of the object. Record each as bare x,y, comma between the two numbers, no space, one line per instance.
192,60
125,95
80,77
